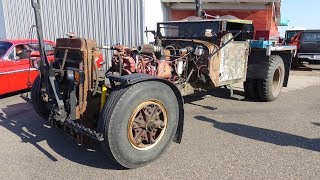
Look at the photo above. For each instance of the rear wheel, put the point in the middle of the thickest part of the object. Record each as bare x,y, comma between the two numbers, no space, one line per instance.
139,122
270,87
251,88
37,101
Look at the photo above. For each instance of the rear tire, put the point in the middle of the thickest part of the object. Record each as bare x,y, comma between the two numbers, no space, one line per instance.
38,104
251,88
270,87
128,134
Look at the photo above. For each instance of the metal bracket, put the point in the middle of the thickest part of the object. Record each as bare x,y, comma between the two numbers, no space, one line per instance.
270,49
231,90
61,111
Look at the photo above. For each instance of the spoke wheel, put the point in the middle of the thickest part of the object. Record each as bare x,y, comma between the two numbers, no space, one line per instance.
139,122
147,124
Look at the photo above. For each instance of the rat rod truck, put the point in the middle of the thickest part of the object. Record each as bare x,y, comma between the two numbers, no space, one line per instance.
136,108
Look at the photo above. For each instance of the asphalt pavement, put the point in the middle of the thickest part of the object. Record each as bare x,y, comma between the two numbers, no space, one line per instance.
224,138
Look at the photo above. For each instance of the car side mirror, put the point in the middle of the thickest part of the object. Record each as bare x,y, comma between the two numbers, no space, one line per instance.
35,54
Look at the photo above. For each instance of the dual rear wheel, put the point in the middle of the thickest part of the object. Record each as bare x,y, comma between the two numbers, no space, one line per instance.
269,88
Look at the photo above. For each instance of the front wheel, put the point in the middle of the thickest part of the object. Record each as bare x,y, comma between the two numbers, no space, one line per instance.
38,104
139,122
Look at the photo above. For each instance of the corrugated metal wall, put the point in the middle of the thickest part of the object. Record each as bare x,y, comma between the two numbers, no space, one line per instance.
106,21
2,25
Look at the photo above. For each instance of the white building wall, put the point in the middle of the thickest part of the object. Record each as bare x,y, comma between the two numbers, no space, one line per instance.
2,23
154,11
107,21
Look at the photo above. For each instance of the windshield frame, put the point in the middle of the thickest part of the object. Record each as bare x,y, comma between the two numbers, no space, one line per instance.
215,25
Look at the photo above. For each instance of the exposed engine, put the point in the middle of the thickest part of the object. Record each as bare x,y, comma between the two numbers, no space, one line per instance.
172,62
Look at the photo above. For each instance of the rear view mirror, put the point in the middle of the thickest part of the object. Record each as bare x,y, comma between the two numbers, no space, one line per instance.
50,53
35,54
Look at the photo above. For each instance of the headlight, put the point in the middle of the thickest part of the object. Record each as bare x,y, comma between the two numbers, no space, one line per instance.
75,75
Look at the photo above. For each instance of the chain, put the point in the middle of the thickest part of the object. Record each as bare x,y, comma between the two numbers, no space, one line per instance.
84,130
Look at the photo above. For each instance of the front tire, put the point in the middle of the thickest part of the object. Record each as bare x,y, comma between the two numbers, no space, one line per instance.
139,122
37,102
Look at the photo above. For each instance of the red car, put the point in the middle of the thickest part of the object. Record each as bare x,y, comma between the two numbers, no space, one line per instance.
18,73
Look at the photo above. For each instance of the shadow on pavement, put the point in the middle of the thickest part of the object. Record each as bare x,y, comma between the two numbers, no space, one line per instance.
307,67
220,92
315,123
316,69
205,107
265,135
22,120
23,93
300,67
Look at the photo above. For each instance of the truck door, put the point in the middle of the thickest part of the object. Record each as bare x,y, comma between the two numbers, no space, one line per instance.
233,61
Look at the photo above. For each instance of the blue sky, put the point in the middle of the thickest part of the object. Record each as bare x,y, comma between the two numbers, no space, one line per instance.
301,13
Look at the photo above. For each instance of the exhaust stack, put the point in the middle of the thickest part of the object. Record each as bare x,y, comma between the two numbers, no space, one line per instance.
199,9
36,7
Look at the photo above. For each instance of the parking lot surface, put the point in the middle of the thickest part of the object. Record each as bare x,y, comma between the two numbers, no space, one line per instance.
224,138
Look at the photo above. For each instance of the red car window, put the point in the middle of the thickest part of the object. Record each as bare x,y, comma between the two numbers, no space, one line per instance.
4,47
